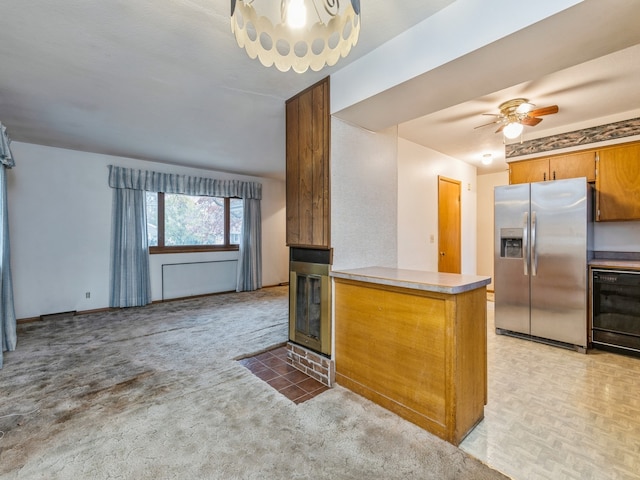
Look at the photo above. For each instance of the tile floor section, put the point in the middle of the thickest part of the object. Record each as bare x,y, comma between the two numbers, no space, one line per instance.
273,368
556,414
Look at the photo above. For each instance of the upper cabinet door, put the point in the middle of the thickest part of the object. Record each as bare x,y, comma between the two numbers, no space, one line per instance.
618,183
559,167
307,175
573,165
529,171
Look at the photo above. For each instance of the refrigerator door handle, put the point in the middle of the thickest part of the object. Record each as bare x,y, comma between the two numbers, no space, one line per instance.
525,241
534,254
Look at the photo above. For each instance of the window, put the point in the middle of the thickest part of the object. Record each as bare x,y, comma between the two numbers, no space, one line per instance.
186,223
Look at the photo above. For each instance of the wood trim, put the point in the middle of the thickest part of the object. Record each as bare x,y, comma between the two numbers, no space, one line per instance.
319,190
193,249
327,164
292,173
325,80
305,167
308,193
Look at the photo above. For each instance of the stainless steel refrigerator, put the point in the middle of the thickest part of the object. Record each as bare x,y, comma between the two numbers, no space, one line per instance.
543,242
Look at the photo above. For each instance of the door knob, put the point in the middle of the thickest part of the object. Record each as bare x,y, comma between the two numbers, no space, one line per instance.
442,254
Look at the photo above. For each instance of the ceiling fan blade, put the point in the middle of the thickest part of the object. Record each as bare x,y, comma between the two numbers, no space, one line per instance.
530,121
538,112
487,124
500,129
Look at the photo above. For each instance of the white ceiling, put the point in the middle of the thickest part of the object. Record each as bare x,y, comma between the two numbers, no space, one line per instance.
164,80
593,93
161,80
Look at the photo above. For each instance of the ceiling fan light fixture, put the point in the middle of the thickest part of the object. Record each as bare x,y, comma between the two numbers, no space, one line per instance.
512,130
329,32
515,114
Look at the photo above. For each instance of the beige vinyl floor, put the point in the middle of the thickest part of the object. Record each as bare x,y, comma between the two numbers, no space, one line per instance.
557,414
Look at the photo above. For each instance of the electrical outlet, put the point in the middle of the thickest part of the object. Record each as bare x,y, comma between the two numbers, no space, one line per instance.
87,295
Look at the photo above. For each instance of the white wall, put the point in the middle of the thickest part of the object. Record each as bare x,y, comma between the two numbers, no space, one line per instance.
418,170
616,236
363,197
60,227
486,184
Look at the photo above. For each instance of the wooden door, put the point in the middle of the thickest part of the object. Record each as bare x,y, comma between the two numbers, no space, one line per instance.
528,171
618,183
449,237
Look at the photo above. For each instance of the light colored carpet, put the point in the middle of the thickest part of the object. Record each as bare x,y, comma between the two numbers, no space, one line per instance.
155,393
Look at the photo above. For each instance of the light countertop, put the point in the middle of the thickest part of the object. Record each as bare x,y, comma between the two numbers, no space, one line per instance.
450,283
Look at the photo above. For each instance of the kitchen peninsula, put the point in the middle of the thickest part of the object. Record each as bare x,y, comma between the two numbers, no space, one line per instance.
415,343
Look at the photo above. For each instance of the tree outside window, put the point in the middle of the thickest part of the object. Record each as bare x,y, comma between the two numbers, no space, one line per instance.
193,223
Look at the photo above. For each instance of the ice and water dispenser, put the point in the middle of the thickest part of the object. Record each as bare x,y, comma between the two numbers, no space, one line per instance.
511,242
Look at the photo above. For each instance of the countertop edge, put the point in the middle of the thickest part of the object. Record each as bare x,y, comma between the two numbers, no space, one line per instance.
614,263
463,286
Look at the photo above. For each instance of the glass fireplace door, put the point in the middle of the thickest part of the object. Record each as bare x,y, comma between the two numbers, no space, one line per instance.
309,306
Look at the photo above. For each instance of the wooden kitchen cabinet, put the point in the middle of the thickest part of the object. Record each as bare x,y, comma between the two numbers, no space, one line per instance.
556,167
573,165
527,171
307,167
618,183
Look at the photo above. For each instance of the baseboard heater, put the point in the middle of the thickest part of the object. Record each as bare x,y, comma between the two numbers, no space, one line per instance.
190,279
58,316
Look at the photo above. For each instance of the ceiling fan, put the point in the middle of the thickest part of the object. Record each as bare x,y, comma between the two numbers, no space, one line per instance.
515,114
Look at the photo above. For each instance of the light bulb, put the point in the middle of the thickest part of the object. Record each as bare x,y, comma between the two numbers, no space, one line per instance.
512,130
296,14
524,107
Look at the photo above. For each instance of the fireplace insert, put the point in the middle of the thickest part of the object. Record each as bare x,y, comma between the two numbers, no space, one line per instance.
310,299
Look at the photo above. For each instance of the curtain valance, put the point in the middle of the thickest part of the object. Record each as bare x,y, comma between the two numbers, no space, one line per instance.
121,177
6,158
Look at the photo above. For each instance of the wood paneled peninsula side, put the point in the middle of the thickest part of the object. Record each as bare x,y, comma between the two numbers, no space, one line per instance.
415,343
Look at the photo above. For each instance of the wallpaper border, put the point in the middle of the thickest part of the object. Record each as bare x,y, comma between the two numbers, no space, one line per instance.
601,133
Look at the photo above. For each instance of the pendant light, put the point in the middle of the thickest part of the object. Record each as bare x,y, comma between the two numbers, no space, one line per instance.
296,34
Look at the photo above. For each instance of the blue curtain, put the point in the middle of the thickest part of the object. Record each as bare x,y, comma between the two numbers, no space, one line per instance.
130,276
250,258
8,337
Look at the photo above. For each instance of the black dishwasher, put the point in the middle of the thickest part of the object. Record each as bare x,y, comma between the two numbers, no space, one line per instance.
616,310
